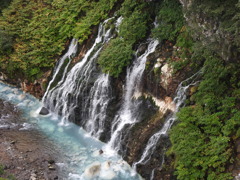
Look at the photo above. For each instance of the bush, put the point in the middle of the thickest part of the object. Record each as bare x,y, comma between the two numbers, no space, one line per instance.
134,28
202,139
201,149
116,55
170,19
40,30
6,43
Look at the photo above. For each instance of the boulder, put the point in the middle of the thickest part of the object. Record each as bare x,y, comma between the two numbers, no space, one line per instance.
93,170
44,111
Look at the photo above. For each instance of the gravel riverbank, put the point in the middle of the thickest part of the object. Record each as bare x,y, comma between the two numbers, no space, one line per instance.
24,152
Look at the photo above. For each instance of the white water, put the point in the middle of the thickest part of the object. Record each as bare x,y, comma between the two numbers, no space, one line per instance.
179,102
125,116
79,151
100,96
73,92
68,55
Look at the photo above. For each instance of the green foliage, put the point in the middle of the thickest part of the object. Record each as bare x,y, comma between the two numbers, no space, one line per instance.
1,169
202,150
219,20
117,54
34,33
6,43
4,4
170,19
134,28
2,172
98,11
202,138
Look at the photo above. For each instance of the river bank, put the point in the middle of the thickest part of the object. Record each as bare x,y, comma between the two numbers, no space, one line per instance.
24,152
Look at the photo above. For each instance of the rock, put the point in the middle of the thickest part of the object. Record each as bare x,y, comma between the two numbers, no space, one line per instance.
106,165
93,170
100,151
51,167
193,90
33,176
3,77
142,49
166,75
160,60
44,111
51,161
157,65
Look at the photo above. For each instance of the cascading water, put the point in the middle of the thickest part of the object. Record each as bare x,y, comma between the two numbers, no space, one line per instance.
100,96
179,102
82,158
125,115
68,55
75,95
79,157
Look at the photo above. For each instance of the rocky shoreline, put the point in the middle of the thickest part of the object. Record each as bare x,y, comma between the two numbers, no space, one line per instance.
25,153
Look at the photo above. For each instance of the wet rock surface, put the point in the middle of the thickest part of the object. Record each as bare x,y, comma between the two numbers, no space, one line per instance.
25,154
44,111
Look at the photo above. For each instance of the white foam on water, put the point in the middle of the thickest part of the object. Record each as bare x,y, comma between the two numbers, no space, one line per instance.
10,96
75,176
4,89
4,126
26,126
21,97
107,174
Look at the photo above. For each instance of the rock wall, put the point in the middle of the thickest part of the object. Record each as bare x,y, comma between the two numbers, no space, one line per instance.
209,28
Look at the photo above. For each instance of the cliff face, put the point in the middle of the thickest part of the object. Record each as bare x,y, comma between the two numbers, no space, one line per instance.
214,24
192,35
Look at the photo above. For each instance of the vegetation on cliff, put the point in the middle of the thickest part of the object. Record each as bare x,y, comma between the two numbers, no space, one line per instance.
118,53
203,139
33,33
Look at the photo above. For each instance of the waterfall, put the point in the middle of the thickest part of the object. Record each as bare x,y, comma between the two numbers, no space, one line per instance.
125,115
70,98
179,102
100,96
78,156
68,55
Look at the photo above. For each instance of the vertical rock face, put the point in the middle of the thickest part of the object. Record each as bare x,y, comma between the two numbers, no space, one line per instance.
208,26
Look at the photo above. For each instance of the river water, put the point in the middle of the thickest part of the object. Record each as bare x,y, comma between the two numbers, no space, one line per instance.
82,157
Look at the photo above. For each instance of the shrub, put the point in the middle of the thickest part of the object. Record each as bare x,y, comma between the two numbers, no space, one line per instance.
134,28
116,55
170,19
6,43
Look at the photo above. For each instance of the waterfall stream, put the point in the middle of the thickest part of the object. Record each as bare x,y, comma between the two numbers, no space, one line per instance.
179,102
68,55
125,115
100,96
75,97
79,151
